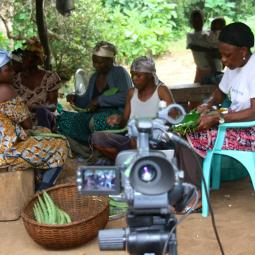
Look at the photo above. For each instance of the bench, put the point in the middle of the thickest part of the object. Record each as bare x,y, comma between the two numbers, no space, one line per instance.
191,95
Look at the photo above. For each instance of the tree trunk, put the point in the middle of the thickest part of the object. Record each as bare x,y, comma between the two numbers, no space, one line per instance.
42,32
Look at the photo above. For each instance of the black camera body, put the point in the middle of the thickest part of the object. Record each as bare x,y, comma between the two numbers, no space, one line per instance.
150,183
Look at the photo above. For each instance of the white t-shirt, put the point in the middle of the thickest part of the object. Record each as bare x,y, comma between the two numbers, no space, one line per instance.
239,85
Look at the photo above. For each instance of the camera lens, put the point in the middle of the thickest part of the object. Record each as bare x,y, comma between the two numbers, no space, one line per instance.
147,173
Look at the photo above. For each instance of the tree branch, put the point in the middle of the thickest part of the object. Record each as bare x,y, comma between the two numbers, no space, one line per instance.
8,32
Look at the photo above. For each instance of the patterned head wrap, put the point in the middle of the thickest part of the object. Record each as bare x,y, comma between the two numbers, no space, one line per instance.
4,58
34,46
105,49
237,34
145,65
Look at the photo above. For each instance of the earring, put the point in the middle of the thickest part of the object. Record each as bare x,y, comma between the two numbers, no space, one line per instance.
244,58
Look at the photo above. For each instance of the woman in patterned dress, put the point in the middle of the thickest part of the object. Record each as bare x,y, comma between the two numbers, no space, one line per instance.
38,87
18,149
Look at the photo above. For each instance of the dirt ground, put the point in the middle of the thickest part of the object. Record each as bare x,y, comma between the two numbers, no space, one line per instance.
176,68
233,204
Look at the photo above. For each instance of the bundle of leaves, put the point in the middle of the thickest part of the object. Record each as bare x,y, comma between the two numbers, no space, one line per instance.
188,125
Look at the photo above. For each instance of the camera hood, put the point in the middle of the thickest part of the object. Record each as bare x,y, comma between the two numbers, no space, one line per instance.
152,175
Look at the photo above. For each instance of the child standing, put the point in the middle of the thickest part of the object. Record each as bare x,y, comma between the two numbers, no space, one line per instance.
217,25
142,102
197,42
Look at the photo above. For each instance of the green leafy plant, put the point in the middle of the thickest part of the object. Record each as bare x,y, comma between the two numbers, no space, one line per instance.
141,28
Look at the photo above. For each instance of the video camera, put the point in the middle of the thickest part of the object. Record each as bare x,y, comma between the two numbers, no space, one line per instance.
149,182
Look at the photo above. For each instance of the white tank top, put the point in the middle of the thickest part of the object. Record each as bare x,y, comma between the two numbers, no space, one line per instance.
144,109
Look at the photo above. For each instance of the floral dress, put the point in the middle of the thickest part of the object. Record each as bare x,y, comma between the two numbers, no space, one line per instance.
242,139
18,150
38,96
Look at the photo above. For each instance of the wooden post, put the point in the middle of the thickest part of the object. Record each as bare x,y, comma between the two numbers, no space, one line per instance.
42,32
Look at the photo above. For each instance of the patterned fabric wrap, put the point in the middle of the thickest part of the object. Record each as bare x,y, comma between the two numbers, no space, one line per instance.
19,151
50,82
80,125
242,139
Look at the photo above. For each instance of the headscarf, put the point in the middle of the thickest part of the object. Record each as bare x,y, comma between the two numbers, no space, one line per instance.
4,58
34,46
105,49
145,65
237,34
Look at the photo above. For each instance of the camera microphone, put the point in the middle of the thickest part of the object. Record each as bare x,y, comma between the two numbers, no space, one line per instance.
175,138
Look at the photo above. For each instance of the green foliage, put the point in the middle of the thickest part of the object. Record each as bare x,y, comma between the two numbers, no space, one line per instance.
72,38
244,8
214,8
4,43
139,27
136,27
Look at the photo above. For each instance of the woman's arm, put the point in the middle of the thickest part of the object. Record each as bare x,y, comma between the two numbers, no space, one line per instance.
127,109
52,100
210,120
6,92
122,120
165,94
243,115
216,98
120,79
27,123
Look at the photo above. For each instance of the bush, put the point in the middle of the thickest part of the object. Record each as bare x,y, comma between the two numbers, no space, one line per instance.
139,28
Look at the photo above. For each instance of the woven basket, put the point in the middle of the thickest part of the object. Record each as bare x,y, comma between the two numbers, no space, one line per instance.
88,214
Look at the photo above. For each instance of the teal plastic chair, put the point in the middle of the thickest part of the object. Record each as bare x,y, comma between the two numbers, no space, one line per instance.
212,162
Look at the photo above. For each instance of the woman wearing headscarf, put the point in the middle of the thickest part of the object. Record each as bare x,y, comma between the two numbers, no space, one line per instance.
38,87
238,85
19,150
105,95
142,102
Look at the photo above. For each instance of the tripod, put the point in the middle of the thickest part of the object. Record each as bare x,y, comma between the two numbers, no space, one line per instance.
147,232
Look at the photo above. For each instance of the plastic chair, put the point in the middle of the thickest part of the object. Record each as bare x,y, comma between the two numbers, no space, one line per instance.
246,158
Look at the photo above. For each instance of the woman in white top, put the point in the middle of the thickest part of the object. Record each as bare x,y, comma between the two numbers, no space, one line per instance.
238,85
142,101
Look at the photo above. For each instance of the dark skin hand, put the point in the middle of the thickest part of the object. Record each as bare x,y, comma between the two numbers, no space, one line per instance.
207,121
27,123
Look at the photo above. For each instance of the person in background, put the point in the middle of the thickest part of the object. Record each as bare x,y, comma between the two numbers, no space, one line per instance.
105,95
142,102
212,51
237,84
36,86
217,25
19,149
194,41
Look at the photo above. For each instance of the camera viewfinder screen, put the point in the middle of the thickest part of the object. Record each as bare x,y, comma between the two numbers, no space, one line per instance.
100,180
